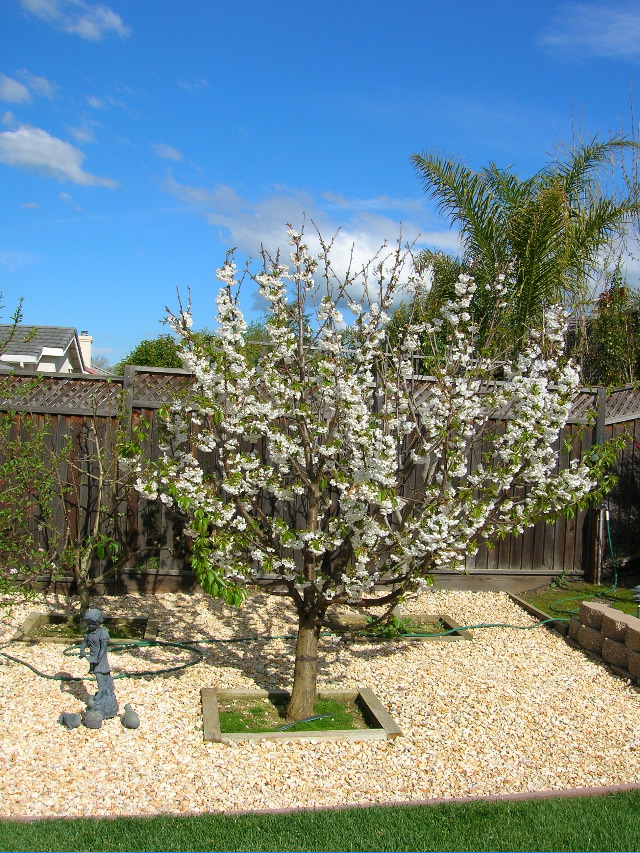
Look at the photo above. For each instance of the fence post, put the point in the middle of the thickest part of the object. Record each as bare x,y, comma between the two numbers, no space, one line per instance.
596,540
127,389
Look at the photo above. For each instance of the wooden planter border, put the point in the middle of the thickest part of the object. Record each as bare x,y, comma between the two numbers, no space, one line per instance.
449,624
340,624
34,619
540,615
373,711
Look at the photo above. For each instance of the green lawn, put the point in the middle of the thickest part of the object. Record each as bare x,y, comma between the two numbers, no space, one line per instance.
577,591
588,823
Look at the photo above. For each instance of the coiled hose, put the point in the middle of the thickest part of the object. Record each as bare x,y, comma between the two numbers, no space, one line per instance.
186,645
198,657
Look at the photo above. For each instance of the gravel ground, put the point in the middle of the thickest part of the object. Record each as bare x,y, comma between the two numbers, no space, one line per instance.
511,711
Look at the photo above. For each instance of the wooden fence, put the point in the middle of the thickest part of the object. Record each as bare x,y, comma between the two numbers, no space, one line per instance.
66,403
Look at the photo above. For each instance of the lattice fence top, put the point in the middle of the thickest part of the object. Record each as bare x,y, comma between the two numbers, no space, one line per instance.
623,404
62,394
79,394
152,388
158,388
581,409
583,405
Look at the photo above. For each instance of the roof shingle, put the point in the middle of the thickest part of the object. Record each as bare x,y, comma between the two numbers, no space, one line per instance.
30,340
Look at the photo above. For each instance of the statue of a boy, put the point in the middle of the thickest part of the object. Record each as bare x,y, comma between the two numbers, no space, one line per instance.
96,638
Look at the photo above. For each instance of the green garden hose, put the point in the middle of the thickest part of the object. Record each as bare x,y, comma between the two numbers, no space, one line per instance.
411,635
121,647
198,656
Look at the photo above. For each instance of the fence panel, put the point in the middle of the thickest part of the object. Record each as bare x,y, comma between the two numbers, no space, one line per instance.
152,533
623,502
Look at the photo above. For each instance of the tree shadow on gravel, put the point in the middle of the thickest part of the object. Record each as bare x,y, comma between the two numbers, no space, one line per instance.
246,639
271,666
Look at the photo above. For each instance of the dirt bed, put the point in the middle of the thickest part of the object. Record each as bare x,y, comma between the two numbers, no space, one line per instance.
509,711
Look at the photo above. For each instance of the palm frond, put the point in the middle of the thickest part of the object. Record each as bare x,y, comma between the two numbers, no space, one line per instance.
547,232
577,170
593,229
466,200
507,187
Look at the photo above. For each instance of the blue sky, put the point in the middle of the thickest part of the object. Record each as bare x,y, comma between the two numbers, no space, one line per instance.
139,140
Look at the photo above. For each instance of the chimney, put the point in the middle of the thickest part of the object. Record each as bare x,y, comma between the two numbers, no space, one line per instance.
85,340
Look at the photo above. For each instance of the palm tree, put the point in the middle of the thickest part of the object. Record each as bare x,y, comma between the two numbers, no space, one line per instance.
546,234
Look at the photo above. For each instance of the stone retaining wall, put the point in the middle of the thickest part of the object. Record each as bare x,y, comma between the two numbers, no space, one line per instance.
610,635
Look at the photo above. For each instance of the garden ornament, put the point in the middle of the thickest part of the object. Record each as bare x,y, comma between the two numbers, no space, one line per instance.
130,720
96,638
92,718
71,721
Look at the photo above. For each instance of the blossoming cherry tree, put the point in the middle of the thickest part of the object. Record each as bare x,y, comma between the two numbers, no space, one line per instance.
332,471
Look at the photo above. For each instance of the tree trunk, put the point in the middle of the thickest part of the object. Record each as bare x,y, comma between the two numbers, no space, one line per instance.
81,573
83,595
305,674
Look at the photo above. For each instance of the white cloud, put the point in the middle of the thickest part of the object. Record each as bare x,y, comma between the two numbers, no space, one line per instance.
17,92
382,202
596,29
78,17
82,133
250,224
104,358
359,232
35,150
167,152
38,85
192,86
17,260
13,91
96,103
68,199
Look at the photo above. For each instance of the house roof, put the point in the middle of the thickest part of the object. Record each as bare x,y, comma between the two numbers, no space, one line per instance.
29,344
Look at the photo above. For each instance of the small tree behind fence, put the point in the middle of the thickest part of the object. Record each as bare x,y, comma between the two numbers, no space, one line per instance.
79,413
97,524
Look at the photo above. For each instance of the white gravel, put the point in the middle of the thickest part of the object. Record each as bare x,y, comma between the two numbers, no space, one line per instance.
510,711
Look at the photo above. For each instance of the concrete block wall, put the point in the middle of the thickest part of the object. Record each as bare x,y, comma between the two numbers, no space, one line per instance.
610,635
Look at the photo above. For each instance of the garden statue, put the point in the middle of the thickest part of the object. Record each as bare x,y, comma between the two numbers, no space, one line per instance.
96,638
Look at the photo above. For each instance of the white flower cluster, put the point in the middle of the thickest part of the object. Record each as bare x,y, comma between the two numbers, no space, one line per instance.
333,466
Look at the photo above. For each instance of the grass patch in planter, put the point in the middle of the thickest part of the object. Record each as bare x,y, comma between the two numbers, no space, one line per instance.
240,715
263,714
69,628
415,626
